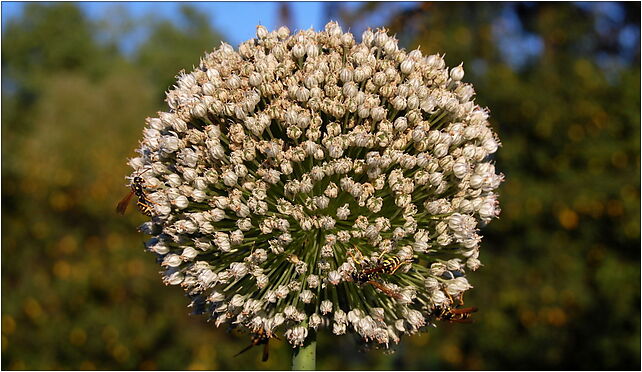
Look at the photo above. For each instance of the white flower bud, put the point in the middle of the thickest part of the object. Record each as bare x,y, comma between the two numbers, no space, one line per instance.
407,66
230,178
296,335
415,318
490,145
380,39
278,319
261,32
378,113
290,312
473,263
313,281
441,150
334,277
283,32
390,46
181,202
169,144
282,291
435,61
262,281
237,301
339,329
325,307
315,320
367,37
298,51
457,73
306,296
439,298
172,260
343,212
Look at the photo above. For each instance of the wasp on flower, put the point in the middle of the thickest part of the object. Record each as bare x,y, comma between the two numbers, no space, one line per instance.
368,272
144,203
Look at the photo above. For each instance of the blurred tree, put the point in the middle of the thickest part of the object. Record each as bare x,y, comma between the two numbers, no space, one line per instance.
30,56
30,53
77,293
170,47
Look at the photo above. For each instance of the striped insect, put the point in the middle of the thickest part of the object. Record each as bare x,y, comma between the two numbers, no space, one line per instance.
369,273
145,205
259,338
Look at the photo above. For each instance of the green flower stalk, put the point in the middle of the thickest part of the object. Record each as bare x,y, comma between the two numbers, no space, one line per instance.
309,182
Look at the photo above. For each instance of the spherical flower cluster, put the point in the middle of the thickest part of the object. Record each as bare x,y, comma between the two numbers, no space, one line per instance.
284,172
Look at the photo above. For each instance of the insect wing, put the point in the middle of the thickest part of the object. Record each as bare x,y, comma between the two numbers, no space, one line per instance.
374,270
467,320
245,349
124,202
384,289
466,310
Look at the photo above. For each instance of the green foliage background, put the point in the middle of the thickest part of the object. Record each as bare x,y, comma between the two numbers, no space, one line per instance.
560,288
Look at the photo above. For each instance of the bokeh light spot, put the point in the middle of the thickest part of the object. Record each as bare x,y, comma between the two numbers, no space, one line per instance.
147,365
87,365
556,316
67,244
599,119
18,364
60,201
120,353
40,229
196,366
619,159
568,218
451,353
110,334
135,267
93,242
8,324
614,208
63,177
77,336
527,317
98,190
32,308
62,269
114,241
575,133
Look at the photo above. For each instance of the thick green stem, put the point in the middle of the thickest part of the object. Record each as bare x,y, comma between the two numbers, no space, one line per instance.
304,358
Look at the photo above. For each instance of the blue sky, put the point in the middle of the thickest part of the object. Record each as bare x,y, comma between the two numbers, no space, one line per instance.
236,20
